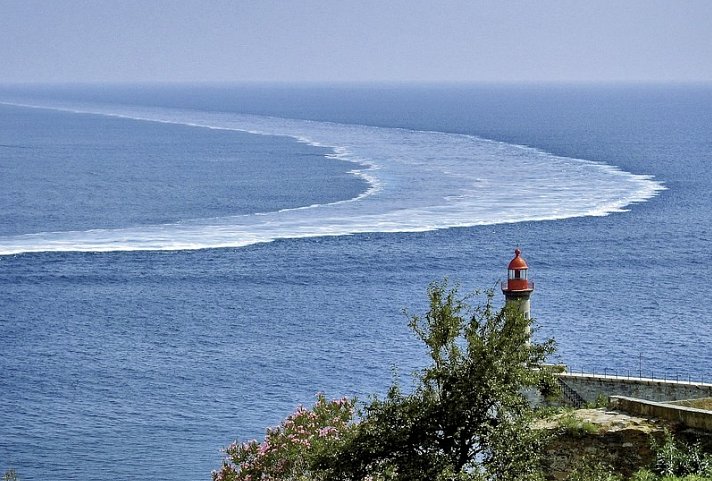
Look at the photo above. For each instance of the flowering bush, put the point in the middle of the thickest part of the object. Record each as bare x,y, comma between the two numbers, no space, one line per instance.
465,419
287,450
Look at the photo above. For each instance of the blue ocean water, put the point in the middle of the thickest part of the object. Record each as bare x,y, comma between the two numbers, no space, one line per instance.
174,282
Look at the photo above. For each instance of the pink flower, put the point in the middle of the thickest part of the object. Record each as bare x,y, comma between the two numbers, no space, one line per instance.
323,432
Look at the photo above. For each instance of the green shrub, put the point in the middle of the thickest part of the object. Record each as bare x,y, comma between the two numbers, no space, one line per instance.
673,458
466,418
600,402
287,450
644,475
570,424
10,475
593,470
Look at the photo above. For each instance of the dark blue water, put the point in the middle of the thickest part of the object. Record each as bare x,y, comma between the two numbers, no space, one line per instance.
143,365
64,171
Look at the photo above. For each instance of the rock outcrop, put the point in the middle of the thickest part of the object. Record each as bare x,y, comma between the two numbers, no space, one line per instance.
599,435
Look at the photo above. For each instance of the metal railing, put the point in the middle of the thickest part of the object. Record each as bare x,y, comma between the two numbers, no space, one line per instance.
662,375
504,285
570,396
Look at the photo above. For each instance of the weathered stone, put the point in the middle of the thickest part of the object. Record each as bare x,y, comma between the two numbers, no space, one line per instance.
619,440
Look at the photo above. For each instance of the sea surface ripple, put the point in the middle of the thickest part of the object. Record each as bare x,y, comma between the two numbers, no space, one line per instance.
419,181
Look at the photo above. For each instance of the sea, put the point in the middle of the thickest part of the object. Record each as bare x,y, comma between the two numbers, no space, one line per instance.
183,265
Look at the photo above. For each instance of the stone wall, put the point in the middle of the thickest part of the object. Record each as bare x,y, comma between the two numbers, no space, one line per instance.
619,440
592,386
687,416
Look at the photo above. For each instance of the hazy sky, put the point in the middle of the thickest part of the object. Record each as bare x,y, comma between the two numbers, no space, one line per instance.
355,40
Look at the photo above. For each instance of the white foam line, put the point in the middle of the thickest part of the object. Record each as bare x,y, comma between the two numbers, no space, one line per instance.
418,181
338,153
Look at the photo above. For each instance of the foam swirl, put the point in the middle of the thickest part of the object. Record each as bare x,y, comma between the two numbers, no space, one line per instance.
419,181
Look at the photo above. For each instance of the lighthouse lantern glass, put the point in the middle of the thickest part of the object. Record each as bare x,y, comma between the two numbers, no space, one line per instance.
517,273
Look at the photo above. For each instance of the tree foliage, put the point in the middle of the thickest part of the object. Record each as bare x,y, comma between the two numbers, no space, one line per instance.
467,416
10,475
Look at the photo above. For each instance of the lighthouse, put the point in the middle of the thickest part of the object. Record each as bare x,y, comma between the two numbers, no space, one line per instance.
518,288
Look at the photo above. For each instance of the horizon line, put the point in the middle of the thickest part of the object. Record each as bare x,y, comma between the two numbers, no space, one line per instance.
355,83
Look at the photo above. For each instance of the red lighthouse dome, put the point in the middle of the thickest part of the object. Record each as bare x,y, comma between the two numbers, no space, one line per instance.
517,278
518,263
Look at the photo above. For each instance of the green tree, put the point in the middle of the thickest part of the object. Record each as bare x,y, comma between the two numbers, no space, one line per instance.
10,475
467,417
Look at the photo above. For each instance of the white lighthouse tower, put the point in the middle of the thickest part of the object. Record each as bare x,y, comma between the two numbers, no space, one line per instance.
518,288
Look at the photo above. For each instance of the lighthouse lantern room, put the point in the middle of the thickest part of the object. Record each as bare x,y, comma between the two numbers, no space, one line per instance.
518,288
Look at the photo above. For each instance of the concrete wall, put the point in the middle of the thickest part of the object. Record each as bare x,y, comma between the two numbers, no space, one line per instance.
690,417
592,386
701,403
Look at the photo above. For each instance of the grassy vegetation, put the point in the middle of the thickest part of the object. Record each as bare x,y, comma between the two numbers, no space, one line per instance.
571,424
705,404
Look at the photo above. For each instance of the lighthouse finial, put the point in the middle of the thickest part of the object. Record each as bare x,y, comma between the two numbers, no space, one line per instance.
517,251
